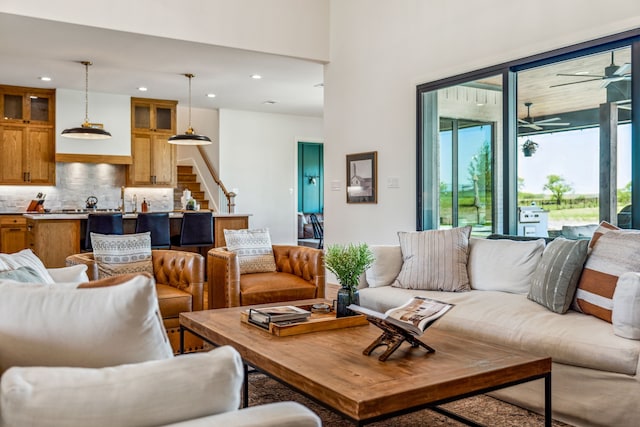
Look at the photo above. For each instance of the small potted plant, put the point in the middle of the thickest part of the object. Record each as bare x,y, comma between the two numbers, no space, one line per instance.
529,147
348,262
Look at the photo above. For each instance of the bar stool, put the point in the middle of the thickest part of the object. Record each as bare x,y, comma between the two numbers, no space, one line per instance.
196,231
318,230
158,224
107,223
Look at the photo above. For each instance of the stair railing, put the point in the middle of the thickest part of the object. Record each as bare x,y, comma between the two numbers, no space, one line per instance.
229,196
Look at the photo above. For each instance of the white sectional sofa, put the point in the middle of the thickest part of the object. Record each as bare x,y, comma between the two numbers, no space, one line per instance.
595,372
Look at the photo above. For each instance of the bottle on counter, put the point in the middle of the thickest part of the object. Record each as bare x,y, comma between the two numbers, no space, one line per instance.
144,207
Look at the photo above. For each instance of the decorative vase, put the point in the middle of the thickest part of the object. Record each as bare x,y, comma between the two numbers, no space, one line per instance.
345,297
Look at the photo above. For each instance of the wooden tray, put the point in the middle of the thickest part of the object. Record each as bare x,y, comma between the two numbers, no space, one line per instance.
316,322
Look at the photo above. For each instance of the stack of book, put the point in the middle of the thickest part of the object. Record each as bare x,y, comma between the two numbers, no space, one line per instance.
280,315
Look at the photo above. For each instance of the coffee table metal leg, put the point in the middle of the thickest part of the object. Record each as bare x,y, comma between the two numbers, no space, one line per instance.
547,400
245,386
181,339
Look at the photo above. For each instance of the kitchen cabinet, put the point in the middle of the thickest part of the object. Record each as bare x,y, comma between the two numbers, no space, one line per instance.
27,140
154,159
13,233
53,240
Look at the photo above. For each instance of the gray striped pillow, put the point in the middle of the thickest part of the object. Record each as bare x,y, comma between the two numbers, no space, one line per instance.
555,279
434,260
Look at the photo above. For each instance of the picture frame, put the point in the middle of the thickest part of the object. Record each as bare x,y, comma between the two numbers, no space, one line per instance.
362,177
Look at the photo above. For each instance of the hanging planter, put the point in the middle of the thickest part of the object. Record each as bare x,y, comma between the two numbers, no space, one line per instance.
529,147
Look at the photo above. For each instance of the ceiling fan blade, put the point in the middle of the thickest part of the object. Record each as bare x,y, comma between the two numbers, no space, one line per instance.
573,83
530,126
539,122
553,124
580,75
524,122
623,69
606,82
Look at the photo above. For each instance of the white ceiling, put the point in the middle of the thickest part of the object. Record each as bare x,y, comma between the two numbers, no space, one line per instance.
122,62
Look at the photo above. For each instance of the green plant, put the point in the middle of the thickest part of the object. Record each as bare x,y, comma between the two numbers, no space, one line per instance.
348,262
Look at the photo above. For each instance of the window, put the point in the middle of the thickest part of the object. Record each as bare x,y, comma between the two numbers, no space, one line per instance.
551,135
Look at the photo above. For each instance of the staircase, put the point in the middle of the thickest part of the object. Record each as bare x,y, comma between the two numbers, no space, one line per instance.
187,180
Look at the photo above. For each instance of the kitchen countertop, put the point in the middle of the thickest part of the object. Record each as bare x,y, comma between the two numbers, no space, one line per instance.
84,215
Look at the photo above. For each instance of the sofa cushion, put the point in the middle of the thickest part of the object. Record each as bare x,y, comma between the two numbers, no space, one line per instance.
615,252
173,301
253,249
59,326
626,306
555,279
577,232
25,258
274,287
503,265
73,273
121,254
386,265
126,395
513,321
20,274
434,260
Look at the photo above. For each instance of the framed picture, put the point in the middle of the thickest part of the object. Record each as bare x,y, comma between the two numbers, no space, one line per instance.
362,177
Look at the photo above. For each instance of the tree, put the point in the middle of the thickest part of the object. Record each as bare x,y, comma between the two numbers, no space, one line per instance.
558,187
624,194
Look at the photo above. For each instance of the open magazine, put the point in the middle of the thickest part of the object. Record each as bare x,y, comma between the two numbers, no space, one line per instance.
415,316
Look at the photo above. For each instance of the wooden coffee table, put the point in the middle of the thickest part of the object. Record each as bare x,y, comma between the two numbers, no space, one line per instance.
329,366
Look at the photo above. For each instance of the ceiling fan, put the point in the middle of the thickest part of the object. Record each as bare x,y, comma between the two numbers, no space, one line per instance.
612,73
531,123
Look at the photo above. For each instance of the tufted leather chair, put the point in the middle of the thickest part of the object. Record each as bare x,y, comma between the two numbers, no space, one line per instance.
299,275
179,283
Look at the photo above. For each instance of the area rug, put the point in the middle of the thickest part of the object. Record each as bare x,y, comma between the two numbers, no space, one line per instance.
481,409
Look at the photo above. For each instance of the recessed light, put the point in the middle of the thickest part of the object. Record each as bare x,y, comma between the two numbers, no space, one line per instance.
256,76
270,102
142,89
45,78
211,95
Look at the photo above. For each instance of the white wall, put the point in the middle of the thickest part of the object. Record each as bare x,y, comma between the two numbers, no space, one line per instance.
113,111
297,28
258,157
380,51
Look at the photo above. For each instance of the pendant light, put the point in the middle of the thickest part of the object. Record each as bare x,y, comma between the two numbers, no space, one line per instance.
86,131
189,137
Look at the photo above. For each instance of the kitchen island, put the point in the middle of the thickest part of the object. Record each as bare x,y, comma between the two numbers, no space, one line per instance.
54,236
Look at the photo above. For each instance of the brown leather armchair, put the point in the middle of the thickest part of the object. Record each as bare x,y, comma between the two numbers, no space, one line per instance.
179,279
299,275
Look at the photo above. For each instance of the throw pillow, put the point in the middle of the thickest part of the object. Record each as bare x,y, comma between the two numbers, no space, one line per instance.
603,227
21,274
253,249
74,273
614,253
386,265
120,254
94,328
555,279
434,260
503,265
25,258
152,393
626,306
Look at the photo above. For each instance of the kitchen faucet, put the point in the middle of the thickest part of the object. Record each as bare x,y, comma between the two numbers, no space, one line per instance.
122,209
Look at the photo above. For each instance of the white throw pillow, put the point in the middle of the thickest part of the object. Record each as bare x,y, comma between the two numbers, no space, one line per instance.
93,328
72,274
386,265
122,253
626,306
25,258
144,394
434,260
253,249
503,264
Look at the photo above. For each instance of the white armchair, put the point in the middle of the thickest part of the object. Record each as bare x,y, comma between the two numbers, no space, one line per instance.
101,357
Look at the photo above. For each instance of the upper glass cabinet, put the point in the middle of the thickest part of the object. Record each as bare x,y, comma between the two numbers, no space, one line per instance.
26,106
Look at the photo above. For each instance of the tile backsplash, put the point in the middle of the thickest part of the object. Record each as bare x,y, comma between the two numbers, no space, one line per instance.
75,182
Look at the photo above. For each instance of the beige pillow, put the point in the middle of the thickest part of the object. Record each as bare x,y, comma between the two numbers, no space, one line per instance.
73,273
122,254
614,253
253,249
386,265
25,258
93,328
503,265
152,393
434,260
626,306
